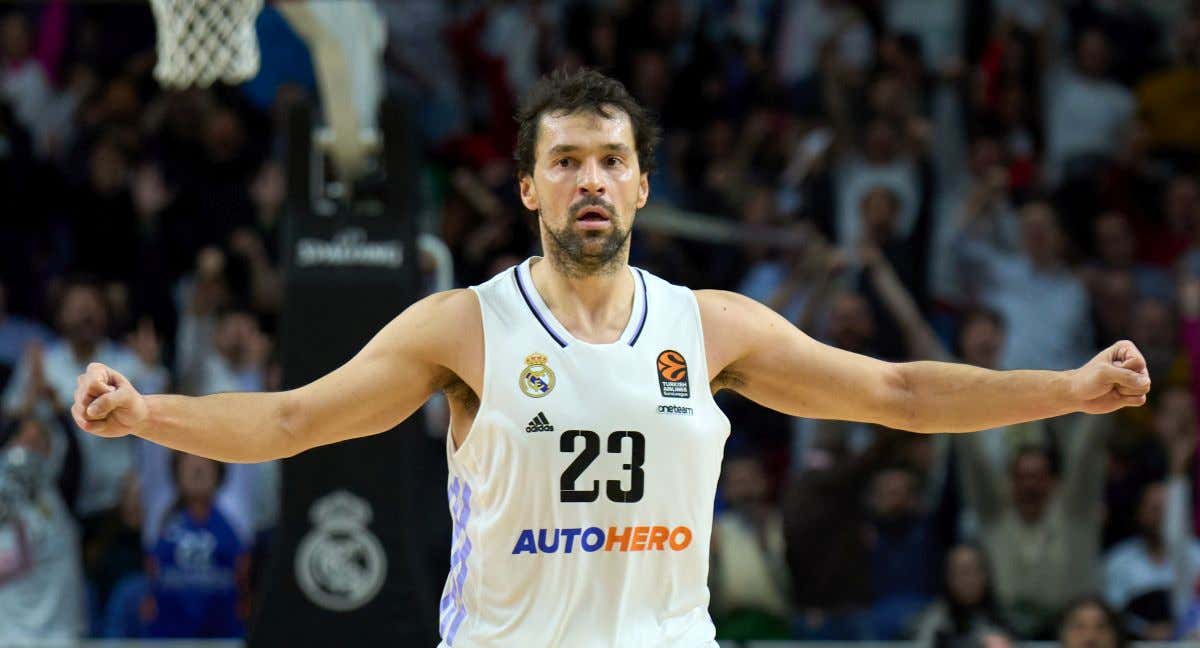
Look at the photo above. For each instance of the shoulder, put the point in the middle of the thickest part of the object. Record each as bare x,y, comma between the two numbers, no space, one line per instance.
722,311
459,306
222,523
458,301
438,320
724,304
1124,554
734,325
729,314
444,329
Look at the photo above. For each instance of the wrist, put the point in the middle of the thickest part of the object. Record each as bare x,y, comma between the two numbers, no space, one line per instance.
1071,391
156,414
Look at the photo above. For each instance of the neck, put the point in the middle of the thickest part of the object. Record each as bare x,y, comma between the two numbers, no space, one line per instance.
198,508
1044,264
1154,546
591,306
1030,514
758,513
83,350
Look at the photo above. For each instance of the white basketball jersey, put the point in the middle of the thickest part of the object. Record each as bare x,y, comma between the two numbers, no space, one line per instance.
582,499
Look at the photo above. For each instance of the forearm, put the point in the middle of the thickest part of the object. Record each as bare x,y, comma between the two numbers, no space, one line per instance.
230,427
947,397
921,340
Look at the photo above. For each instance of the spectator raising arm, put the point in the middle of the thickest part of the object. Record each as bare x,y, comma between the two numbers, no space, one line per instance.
918,335
985,489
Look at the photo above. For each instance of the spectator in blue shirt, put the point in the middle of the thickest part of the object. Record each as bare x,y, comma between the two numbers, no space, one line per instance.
198,567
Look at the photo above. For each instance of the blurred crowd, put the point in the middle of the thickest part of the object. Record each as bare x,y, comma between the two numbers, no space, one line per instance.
1007,183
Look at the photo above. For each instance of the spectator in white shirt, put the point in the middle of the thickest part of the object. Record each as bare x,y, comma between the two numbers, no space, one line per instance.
41,581
1044,304
82,323
806,27
1139,575
1086,113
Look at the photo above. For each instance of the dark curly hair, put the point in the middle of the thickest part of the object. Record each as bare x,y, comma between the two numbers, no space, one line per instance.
584,90
1111,618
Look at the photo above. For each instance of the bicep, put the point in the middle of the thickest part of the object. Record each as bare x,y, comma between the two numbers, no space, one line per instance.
386,381
778,366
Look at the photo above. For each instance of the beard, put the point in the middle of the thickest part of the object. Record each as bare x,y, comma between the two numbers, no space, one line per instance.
583,254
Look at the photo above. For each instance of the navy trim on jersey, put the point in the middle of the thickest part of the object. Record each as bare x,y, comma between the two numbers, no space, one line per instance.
528,302
645,308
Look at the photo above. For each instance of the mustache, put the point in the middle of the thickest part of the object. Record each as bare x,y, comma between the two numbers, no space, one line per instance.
592,201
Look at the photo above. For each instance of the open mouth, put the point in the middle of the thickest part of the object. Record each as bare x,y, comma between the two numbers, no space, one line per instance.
592,215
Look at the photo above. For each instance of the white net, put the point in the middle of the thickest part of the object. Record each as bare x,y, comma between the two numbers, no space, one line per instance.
203,41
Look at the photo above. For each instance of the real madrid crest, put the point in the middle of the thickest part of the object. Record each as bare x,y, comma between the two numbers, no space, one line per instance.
537,379
340,565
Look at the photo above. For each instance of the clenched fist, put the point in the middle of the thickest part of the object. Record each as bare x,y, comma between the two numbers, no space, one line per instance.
106,404
1117,377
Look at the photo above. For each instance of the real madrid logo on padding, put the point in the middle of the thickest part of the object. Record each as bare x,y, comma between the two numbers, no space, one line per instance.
340,564
537,379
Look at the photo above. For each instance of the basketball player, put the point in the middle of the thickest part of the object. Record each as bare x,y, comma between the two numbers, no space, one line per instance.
584,443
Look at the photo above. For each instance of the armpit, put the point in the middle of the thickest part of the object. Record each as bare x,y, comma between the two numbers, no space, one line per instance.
727,379
461,395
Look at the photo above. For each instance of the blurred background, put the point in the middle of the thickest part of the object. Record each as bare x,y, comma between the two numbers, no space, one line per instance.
1008,183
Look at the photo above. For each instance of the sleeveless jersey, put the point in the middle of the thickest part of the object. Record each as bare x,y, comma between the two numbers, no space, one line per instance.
582,498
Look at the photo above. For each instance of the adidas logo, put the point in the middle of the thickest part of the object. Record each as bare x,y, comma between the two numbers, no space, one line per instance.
539,423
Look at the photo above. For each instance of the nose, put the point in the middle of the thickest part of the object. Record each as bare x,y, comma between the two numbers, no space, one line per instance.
591,181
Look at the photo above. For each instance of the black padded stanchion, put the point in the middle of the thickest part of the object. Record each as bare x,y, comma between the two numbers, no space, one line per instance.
361,550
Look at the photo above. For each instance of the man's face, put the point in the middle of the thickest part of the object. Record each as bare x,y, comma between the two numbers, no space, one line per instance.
231,332
744,482
986,153
1150,511
197,477
1087,627
1154,325
82,318
586,186
981,342
108,169
966,575
1114,240
880,211
1182,201
1093,53
894,494
1032,483
14,34
1041,238
851,326
880,144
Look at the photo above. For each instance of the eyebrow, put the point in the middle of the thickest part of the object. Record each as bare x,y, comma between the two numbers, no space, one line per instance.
617,147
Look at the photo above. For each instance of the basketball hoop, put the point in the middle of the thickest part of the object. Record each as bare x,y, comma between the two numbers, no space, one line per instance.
203,41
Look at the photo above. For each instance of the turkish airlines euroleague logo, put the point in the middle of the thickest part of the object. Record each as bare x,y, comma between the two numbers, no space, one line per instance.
672,375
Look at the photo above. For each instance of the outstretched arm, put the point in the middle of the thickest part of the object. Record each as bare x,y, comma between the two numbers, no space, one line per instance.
758,354
408,360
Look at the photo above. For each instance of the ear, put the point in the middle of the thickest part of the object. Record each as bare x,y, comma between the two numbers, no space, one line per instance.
643,190
529,195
